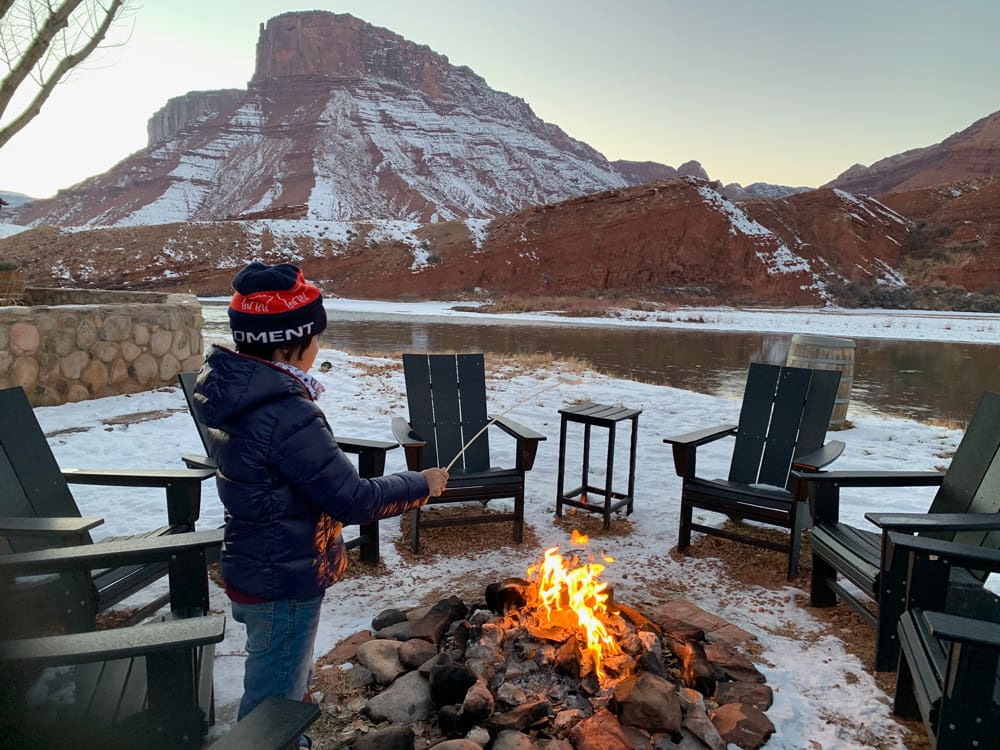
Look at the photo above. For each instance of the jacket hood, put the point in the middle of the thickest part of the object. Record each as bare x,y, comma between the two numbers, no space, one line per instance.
230,384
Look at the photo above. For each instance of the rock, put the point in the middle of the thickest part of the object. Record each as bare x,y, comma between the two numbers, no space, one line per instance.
415,652
743,725
731,663
462,744
757,695
347,649
432,626
388,617
697,722
600,732
450,683
478,735
648,701
478,703
390,738
382,658
407,700
520,718
511,740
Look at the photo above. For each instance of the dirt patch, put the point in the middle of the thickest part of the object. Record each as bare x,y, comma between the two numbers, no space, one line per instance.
458,541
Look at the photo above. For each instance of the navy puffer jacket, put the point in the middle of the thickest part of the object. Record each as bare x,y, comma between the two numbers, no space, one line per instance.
286,484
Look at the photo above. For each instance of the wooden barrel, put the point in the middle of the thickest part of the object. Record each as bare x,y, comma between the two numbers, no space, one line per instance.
827,353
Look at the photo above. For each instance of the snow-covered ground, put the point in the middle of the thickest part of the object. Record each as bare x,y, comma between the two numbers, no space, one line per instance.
822,693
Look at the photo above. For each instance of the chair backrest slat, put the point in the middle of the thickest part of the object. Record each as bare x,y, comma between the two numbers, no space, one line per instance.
972,458
822,399
783,431
446,396
785,413
472,379
417,374
755,416
31,482
187,381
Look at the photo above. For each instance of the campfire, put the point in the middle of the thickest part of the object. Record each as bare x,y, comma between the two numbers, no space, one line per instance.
551,661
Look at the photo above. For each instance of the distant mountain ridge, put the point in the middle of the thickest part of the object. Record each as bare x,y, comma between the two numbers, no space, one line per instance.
969,154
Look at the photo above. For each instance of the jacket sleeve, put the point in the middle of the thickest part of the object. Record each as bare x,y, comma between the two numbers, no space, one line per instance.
308,458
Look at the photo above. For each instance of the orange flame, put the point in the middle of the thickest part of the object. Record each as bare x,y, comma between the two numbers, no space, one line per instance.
565,587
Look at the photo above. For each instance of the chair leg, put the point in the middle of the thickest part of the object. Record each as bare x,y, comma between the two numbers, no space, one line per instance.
519,517
905,704
800,522
821,594
684,532
415,530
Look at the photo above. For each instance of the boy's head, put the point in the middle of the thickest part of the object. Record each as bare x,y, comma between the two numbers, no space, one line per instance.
274,307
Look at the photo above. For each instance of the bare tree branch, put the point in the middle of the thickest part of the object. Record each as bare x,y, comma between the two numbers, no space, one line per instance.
33,45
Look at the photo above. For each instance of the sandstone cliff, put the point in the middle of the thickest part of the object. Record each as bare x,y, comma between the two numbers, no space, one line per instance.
351,122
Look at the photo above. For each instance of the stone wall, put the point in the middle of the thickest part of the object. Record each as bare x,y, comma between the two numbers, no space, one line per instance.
74,344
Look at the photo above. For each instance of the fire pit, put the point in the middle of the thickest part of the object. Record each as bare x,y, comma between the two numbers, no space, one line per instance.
551,661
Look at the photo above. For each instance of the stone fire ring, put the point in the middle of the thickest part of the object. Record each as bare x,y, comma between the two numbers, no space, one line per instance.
460,676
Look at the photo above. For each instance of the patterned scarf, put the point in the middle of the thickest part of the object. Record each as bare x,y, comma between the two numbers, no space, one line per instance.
312,385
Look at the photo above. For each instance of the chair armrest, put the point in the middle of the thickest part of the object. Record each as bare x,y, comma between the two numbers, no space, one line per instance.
184,553
963,629
527,441
106,645
820,458
183,487
107,554
685,447
269,725
194,461
371,454
700,437
413,446
517,429
955,554
57,527
136,477
913,522
873,478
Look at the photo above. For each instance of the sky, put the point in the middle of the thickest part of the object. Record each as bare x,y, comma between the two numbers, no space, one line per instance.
789,92
822,693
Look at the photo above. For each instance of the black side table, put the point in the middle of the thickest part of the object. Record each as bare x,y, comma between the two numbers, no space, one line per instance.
600,415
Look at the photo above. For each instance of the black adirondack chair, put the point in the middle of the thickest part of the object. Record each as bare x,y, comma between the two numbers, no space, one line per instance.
371,463
964,509
147,685
446,396
948,665
37,510
782,424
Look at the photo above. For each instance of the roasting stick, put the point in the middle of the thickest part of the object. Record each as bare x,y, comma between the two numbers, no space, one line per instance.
561,380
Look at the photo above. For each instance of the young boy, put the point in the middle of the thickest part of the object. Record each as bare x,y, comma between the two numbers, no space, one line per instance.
286,486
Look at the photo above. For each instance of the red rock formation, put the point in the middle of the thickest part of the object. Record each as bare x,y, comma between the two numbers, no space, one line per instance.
971,153
670,239
350,120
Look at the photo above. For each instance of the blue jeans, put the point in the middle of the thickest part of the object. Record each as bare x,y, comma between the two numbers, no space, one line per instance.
280,638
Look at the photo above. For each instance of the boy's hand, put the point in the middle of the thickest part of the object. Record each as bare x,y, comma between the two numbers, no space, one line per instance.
436,480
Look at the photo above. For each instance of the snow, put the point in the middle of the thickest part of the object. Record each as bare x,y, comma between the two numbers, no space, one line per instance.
824,697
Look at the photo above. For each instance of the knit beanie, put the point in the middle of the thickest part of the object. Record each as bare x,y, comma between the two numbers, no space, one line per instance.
274,306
